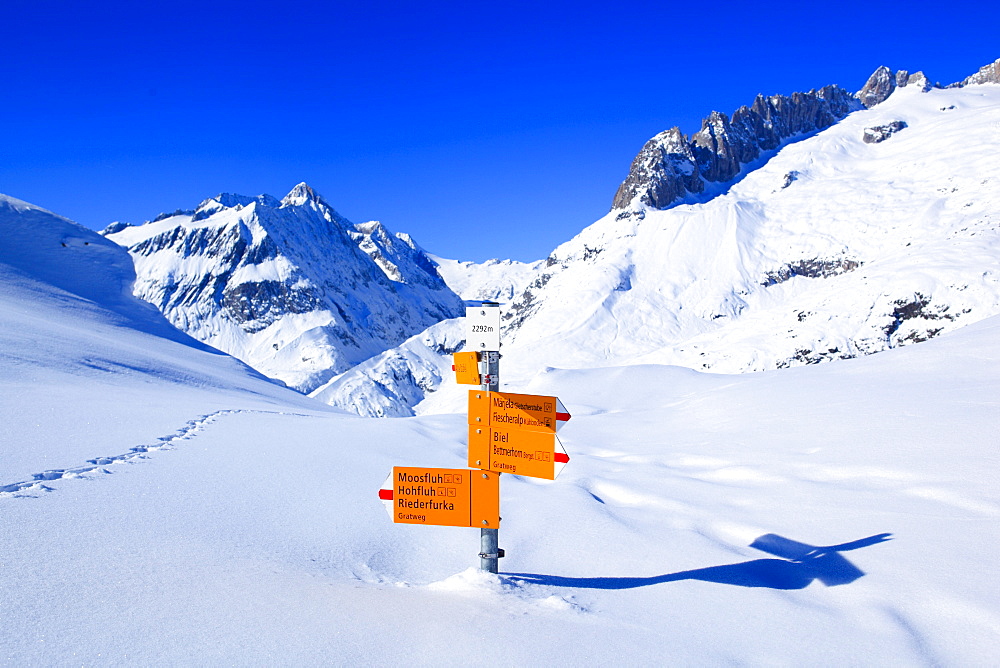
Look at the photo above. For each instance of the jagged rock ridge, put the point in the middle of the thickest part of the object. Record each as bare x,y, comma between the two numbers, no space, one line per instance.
883,82
671,165
986,74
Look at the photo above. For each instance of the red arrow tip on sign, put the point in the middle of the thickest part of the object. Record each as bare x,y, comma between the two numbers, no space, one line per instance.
563,417
558,457
385,494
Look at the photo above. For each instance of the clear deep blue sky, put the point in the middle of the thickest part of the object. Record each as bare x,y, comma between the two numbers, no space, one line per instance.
483,129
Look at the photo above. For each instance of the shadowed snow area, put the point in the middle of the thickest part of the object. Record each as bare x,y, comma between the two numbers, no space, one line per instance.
88,370
835,514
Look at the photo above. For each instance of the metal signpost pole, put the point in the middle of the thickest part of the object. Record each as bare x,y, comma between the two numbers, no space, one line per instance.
489,538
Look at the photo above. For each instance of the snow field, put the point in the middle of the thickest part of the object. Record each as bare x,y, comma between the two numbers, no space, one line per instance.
262,536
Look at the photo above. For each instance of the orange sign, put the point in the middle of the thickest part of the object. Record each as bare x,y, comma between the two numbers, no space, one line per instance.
527,412
466,368
536,454
446,497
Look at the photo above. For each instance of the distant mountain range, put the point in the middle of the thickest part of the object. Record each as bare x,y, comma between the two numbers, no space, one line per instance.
840,237
802,228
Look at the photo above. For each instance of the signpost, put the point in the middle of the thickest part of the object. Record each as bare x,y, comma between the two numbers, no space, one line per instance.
482,327
444,497
508,433
527,412
466,368
534,454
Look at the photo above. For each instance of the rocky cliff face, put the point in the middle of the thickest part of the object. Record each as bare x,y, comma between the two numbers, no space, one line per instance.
290,287
671,165
883,82
986,74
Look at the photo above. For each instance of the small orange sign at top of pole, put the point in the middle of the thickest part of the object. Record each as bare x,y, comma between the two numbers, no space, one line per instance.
466,368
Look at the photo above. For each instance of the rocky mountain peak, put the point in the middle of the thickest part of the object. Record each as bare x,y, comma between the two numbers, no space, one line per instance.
878,87
289,287
301,194
986,74
671,166
663,171
213,205
883,82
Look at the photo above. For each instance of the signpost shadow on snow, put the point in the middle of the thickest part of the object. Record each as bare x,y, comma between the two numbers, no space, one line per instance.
798,566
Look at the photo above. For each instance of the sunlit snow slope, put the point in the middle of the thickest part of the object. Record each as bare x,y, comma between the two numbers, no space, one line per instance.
89,371
493,280
836,247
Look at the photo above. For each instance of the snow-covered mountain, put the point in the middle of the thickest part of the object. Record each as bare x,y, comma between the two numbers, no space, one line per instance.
392,383
290,287
493,280
878,231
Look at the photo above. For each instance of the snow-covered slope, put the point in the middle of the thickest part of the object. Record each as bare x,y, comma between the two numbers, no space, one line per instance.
392,383
840,514
836,247
493,280
290,287
88,369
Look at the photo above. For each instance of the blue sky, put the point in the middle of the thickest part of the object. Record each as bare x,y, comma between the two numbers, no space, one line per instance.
483,129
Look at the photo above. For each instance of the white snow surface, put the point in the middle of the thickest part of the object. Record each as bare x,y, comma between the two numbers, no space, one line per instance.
161,504
493,280
393,383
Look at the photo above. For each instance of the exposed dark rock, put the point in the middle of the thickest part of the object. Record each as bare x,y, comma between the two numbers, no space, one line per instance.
526,304
114,228
986,74
878,87
920,80
663,171
807,356
719,150
814,268
880,133
671,166
256,305
916,308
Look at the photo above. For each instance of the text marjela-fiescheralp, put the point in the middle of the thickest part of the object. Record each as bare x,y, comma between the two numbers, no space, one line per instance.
503,418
